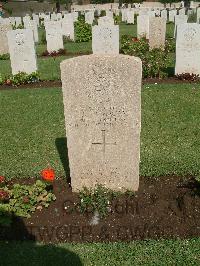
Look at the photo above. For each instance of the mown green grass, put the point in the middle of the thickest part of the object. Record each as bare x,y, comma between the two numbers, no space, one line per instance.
157,253
32,120
49,68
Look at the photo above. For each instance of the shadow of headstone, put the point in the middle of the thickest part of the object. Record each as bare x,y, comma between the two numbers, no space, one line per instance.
23,252
61,145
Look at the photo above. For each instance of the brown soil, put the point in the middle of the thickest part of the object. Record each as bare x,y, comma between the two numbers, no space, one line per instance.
164,207
57,83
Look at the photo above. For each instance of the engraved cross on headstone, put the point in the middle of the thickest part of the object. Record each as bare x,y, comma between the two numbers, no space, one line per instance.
103,143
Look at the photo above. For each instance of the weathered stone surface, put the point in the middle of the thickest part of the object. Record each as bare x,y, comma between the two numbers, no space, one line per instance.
54,36
105,21
22,51
105,39
188,49
32,25
157,32
3,38
172,14
164,14
68,27
103,120
143,26
89,17
130,17
179,19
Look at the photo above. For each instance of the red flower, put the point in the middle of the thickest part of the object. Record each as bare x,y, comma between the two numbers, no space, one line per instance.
135,39
2,179
4,195
8,81
48,175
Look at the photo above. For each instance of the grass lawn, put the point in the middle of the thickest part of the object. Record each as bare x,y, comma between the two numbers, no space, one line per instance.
160,253
33,137
53,64
32,126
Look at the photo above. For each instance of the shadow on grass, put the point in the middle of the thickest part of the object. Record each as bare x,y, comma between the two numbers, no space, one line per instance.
170,71
61,145
15,249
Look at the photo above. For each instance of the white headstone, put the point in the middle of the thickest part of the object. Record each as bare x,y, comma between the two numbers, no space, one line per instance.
89,17
188,49
179,19
157,32
105,39
68,28
22,51
143,26
3,38
130,17
54,36
105,21
32,25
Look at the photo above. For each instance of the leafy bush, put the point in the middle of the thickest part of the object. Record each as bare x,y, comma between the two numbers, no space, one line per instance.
154,62
43,37
117,20
170,45
19,79
4,57
83,31
133,46
22,200
18,27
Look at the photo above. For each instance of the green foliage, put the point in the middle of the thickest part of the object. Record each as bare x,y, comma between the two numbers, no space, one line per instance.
4,56
24,200
154,62
170,45
192,18
103,13
83,31
18,27
19,79
43,37
117,19
133,46
97,199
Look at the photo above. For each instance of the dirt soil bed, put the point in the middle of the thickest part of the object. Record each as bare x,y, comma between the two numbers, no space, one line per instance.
57,83
164,207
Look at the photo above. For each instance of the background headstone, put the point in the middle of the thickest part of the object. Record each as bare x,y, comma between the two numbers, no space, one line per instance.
188,49
54,36
3,38
105,39
157,32
22,51
143,26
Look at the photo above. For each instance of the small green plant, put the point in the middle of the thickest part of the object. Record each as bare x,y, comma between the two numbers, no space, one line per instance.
170,45
117,20
19,79
22,200
83,31
43,37
97,199
18,27
4,57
